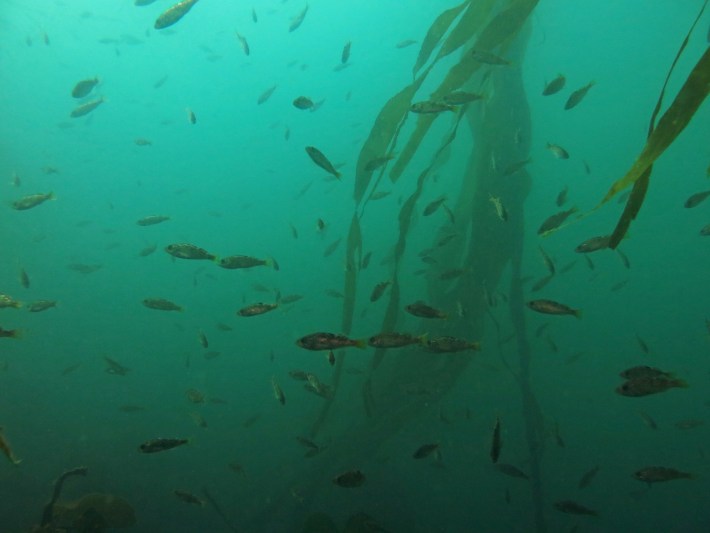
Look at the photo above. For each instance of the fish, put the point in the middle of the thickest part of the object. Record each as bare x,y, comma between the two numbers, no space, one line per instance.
446,239
642,371
114,367
319,159
571,507
425,450
24,278
84,87
705,230
488,58
561,197
32,200
496,442
202,339
298,20
173,14
452,274
8,302
587,477
142,2
512,168
291,298
161,444
83,268
576,97
429,107
263,97
433,206
554,86
379,290
405,43
332,247
195,396
374,164
657,474
345,54
256,309
86,108
379,195
643,386
144,252
688,424
189,251
303,102
557,151
593,244
10,333
650,422
334,294
278,393
553,222
328,341
7,450
233,262
624,260
501,212
395,340
696,199
331,358
350,479
152,220
40,305
547,260
460,98
243,42
422,310
510,470
140,141
188,497
191,117
551,307
448,344
298,375
589,262
161,304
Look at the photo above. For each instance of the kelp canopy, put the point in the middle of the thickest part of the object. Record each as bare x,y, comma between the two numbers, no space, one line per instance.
400,387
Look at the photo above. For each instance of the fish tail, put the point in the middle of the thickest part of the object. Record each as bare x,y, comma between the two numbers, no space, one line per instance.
17,334
360,343
681,383
577,313
51,196
423,339
476,346
15,460
214,258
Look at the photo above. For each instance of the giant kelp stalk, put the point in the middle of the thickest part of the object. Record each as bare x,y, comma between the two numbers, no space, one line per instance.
487,246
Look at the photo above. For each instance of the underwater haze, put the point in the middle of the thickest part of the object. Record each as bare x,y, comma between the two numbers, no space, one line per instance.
354,266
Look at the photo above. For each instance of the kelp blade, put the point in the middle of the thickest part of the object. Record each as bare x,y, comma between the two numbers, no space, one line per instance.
435,33
502,28
672,123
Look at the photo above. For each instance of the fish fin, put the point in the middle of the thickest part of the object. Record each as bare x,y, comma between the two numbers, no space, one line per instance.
18,334
15,461
476,346
423,338
269,262
215,259
681,383
361,343
52,196
577,313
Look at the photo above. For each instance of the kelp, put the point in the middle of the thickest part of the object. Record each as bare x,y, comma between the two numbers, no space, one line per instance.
502,28
640,186
353,260
435,34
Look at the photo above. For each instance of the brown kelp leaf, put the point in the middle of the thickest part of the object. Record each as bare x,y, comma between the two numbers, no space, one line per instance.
383,130
638,193
472,19
503,27
435,33
673,121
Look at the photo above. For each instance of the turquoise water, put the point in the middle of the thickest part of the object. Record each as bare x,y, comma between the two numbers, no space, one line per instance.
238,181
